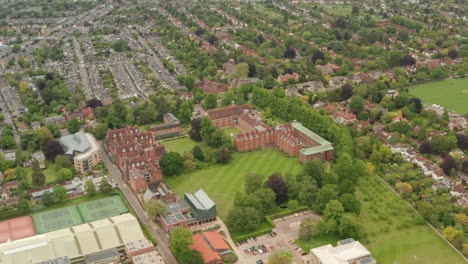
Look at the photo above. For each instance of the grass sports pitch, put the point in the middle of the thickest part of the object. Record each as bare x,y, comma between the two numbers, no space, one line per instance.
102,208
78,214
57,219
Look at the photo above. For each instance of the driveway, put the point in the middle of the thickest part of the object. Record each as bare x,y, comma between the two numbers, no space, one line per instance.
161,236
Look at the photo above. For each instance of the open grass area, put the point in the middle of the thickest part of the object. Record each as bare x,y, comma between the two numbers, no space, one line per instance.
393,237
451,93
180,145
51,173
221,182
338,10
318,241
231,130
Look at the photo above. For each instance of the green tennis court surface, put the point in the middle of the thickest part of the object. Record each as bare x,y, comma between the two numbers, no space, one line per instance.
57,219
102,208
79,214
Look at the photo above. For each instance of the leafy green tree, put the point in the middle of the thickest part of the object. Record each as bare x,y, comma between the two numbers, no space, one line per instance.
24,206
48,198
308,192
185,112
210,101
172,164
155,208
325,195
356,104
224,155
198,154
206,128
44,136
180,240
74,125
253,182
307,229
350,227
243,219
350,203
100,132
63,162
65,174
314,169
105,187
38,178
90,188
333,210
60,194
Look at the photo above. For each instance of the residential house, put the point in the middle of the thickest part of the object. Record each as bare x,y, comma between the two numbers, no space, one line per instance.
212,87
343,117
211,247
55,120
40,158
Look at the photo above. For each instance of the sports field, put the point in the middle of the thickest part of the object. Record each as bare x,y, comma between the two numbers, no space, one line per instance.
393,236
222,182
57,219
102,208
78,214
180,145
451,93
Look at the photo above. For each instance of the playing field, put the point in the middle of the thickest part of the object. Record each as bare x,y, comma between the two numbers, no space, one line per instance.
451,93
392,234
222,182
78,214
57,219
180,145
102,208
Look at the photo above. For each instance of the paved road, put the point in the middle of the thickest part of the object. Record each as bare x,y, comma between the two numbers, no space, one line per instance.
161,236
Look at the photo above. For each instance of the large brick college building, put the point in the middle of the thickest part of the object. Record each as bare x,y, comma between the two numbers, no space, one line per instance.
293,138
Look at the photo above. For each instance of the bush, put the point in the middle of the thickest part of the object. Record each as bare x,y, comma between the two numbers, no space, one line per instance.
418,220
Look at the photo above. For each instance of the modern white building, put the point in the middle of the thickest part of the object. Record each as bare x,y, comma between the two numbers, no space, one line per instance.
347,251
83,148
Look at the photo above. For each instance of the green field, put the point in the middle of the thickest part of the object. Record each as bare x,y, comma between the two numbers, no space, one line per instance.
57,219
78,214
393,237
451,93
50,172
180,145
221,182
102,208
231,130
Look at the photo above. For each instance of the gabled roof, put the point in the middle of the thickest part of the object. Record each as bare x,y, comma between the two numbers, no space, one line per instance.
76,142
200,200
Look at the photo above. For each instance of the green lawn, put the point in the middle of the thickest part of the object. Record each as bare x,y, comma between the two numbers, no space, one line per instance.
221,182
50,172
318,241
180,145
451,93
231,130
392,235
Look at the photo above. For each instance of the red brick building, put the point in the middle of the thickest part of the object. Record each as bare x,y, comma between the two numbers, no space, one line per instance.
84,113
211,247
293,138
166,131
137,154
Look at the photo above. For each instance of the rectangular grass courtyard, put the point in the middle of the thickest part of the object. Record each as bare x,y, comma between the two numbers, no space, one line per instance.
222,182
180,145
450,93
393,235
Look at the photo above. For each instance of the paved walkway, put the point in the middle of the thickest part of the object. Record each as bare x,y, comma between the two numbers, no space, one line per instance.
161,236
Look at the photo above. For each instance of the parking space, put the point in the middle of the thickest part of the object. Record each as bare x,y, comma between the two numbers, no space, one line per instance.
284,235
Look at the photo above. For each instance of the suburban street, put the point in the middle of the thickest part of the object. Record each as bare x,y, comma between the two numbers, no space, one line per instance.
161,236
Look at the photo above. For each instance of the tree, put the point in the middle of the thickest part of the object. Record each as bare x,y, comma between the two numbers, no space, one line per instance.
212,39
100,132
308,192
90,188
224,155
333,210
350,227
210,101
48,198
340,23
325,195
172,164
94,103
65,174
253,182
448,164
105,187
45,136
180,240
314,169
407,60
356,104
185,112
346,91
53,149
404,188
276,183
266,198
441,144
350,203
155,208
403,35
24,205
426,147
318,55
290,53
462,141
38,178
243,219
453,235
198,154
196,127
453,54
281,256
345,168
60,194
307,229
355,10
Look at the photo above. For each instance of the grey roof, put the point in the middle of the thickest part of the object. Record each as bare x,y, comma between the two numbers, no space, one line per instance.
173,211
200,200
102,255
76,142
61,260
324,144
367,260
171,117
39,155
346,241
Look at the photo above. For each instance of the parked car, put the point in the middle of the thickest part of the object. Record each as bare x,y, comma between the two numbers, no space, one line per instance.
292,242
259,261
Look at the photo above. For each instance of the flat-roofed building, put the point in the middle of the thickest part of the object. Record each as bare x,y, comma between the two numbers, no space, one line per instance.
152,257
61,260
108,256
83,148
347,251
74,242
138,247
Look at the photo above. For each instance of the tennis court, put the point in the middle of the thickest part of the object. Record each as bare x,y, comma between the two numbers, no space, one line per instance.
57,219
102,208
